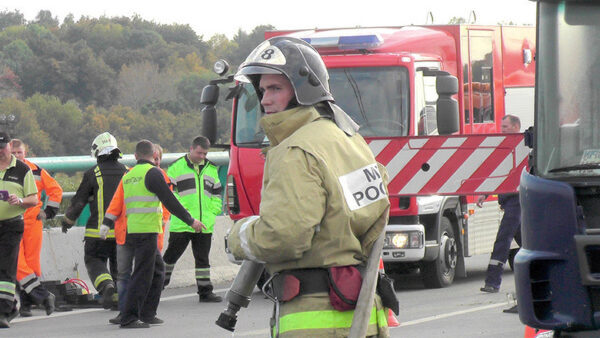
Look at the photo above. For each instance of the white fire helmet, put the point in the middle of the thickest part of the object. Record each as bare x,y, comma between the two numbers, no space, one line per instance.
104,144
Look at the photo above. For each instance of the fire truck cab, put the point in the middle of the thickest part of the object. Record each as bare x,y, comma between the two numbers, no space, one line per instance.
389,80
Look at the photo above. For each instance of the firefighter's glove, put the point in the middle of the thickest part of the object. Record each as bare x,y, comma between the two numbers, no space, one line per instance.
104,229
50,212
66,225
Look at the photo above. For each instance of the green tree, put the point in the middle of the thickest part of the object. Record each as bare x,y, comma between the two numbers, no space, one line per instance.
8,19
44,18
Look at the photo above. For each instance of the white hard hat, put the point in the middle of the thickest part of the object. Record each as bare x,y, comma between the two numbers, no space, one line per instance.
104,144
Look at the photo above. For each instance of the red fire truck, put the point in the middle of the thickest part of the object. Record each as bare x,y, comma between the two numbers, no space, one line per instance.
386,78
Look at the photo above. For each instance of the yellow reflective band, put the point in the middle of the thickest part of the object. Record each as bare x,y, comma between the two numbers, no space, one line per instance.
102,278
100,196
326,319
7,287
95,233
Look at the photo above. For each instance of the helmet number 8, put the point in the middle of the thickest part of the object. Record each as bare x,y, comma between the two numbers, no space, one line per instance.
267,54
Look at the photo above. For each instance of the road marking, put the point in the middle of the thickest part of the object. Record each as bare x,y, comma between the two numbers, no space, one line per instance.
451,314
81,311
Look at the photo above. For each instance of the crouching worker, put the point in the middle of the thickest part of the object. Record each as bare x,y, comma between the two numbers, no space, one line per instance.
313,226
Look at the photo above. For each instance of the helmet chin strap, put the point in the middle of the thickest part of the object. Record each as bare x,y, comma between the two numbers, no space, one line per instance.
292,104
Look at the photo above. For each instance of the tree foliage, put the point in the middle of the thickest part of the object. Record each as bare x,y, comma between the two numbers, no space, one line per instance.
67,82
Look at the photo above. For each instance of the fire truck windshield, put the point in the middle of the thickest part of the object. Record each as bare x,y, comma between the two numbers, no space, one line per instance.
377,98
568,93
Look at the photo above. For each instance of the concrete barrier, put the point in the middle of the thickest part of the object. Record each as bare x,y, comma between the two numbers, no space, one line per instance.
62,257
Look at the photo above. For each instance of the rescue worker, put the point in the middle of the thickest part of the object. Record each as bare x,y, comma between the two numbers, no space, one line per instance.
143,190
324,198
115,218
17,193
97,188
510,225
197,187
29,269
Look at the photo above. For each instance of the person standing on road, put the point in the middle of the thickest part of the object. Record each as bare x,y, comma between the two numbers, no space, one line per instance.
143,190
29,269
324,199
198,188
510,225
18,193
116,218
97,188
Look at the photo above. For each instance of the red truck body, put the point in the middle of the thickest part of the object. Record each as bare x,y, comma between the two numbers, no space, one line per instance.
386,68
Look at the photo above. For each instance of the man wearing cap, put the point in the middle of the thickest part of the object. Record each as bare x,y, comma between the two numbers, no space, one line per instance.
18,192
29,270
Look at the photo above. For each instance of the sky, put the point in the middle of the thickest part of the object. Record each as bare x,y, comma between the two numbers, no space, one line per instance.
209,17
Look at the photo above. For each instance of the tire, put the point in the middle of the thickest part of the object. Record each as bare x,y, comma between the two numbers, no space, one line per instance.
440,273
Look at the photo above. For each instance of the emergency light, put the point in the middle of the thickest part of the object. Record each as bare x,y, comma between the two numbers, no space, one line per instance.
347,42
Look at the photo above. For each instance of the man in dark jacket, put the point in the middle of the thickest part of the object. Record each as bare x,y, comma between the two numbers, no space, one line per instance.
510,225
97,188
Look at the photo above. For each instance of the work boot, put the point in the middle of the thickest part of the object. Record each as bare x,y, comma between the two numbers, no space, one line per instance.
153,321
210,298
25,311
116,320
136,324
49,303
513,309
489,289
4,322
107,295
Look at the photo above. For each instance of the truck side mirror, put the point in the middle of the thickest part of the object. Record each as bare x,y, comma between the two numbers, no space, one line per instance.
209,97
446,106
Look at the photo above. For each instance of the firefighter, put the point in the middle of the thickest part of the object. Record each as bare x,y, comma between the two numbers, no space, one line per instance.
29,269
143,190
18,193
324,197
510,225
97,188
197,187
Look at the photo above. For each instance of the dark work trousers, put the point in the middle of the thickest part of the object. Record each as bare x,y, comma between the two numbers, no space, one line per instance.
510,227
178,242
124,266
145,286
11,231
30,294
97,253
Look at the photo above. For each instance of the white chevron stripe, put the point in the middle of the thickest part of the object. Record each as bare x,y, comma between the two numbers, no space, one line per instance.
466,170
377,146
400,160
416,183
492,141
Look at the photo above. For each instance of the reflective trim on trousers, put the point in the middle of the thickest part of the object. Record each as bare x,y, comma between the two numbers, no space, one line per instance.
101,278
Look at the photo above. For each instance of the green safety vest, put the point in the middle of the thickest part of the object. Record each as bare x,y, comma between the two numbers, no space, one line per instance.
143,209
199,193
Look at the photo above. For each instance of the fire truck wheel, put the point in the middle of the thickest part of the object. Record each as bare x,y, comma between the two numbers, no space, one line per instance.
440,273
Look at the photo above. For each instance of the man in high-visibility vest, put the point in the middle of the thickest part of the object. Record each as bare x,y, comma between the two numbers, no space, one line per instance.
144,189
198,188
29,269
116,219
17,193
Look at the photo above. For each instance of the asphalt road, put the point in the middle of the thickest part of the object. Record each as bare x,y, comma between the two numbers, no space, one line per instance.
458,311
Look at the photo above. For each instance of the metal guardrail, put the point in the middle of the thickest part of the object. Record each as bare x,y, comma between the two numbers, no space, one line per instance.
73,164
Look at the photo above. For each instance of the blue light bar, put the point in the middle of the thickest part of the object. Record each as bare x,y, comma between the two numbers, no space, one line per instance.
347,42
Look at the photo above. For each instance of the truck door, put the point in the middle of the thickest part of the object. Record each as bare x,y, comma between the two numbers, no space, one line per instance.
478,82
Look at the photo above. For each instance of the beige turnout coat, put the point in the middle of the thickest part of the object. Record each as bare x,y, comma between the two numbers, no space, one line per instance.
324,198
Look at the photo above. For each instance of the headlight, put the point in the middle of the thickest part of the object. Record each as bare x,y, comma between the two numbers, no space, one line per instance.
403,240
399,240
